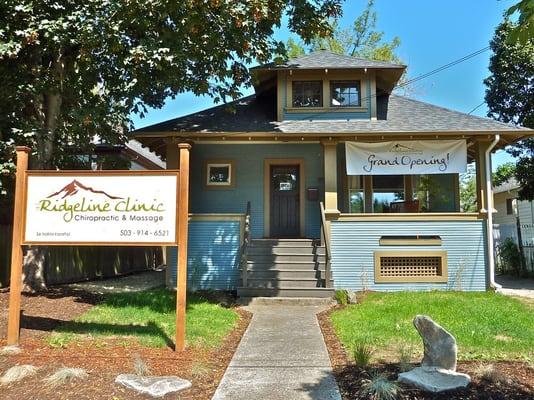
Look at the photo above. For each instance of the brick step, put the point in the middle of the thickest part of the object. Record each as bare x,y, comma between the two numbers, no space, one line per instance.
246,292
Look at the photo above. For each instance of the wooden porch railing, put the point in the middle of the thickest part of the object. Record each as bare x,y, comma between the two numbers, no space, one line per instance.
325,238
243,254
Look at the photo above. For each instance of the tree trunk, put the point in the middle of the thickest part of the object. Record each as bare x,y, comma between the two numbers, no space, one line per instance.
33,272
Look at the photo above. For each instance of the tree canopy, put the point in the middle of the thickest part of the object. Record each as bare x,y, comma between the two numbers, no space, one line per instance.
510,97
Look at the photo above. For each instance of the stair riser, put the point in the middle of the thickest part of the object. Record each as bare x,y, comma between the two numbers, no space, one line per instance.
283,283
272,274
284,250
281,243
314,293
262,258
258,266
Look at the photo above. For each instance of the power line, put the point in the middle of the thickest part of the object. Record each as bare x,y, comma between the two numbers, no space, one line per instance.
476,108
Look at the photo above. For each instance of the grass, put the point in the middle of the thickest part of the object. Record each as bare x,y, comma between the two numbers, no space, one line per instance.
150,317
487,326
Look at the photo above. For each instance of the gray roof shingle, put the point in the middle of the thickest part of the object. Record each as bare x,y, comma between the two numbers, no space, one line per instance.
326,59
395,114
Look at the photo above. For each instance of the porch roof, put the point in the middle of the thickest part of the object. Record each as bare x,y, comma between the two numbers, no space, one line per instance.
253,115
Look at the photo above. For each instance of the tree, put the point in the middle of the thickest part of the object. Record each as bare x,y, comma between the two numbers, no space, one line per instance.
73,69
361,40
503,173
468,190
525,27
510,97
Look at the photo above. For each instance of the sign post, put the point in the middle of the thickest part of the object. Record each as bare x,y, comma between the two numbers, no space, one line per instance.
100,208
15,286
181,273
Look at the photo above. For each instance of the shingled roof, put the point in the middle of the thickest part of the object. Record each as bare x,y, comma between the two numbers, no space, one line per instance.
395,114
326,59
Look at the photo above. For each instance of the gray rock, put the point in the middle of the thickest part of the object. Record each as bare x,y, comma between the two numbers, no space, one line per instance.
155,386
435,379
440,348
351,296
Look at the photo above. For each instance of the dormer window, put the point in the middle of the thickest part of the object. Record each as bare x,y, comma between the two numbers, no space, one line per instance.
345,93
307,93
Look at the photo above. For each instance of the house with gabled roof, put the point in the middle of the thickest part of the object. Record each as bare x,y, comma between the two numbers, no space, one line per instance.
325,179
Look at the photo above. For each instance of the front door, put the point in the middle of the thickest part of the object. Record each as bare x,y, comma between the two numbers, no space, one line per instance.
285,218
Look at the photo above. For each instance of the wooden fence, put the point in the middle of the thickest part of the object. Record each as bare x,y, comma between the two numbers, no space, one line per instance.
65,264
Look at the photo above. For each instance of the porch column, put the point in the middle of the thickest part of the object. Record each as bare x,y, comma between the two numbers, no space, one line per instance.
481,183
330,176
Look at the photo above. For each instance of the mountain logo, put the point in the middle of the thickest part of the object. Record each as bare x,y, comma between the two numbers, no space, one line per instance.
76,186
401,148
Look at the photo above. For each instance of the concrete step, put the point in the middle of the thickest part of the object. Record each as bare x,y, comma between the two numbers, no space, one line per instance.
287,301
287,265
286,292
286,257
283,242
285,274
273,283
265,250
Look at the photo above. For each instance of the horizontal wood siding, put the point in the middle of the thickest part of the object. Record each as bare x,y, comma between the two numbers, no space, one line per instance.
212,253
353,244
248,161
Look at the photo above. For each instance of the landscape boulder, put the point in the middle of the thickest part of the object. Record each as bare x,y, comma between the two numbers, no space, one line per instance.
155,386
437,372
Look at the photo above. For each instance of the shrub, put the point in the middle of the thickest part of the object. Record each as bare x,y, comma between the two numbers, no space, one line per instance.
362,353
342,297
510,257
380,388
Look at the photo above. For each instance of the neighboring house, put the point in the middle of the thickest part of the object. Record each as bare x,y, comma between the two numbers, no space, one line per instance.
509,207
325,129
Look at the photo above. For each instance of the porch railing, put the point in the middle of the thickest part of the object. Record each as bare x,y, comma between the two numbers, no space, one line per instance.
243,254
325,239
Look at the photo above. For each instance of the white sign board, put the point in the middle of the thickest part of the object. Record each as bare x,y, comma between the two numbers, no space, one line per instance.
104,207
406,157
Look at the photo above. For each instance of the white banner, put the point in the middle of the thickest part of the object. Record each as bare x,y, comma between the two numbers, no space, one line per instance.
406,157
101,208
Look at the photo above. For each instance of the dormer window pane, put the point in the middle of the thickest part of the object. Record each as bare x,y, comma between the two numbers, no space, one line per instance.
345,93
307,93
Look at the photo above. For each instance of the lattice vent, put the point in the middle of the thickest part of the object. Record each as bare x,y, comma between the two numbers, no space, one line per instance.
411,267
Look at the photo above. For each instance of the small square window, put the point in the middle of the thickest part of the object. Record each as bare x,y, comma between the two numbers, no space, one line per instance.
219,174
307,94
345,94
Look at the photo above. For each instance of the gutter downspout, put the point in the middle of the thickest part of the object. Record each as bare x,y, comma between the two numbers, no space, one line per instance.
490,209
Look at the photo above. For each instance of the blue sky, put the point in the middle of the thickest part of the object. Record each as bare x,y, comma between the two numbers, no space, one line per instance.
432,34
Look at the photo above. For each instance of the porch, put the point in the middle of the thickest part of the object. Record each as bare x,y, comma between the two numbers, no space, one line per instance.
381,232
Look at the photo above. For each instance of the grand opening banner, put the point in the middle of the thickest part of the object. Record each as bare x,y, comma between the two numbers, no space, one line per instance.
104,207
413,157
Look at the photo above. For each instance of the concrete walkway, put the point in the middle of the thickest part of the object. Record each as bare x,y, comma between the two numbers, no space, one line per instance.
281,356
516,286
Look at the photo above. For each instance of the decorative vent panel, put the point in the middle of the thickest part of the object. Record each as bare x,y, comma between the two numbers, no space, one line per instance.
410,266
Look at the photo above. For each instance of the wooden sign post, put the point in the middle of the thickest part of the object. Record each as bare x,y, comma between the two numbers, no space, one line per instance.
100,208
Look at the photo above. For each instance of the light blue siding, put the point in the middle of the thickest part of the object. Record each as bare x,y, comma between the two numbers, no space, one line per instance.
353,244
321,115
249,163
213,249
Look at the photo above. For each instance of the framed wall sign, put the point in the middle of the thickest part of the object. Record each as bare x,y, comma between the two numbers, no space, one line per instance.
108,207
219,174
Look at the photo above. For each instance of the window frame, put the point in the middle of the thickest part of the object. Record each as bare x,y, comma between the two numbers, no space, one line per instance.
293,93
229,184
332,88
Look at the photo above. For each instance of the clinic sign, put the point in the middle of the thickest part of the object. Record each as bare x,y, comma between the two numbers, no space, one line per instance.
406,157
104,207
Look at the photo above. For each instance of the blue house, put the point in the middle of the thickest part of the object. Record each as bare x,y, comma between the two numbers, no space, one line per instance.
325,179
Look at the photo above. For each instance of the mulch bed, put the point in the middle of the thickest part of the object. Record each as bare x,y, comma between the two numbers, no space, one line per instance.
103,359
519,384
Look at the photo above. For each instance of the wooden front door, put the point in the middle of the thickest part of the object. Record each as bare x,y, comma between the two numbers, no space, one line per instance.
285,215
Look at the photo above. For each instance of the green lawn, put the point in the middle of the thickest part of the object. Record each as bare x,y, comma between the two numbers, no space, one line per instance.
487,326
150,317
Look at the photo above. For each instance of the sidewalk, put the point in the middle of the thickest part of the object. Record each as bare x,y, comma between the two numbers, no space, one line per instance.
281,356
512,286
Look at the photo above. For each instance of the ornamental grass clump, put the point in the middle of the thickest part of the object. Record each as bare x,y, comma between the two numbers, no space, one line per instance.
405,358
64,375
488,373
362,353
380,388
17,373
